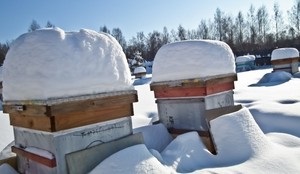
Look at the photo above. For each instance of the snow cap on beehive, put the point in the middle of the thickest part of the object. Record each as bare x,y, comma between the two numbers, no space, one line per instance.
284,53
51,63
245,58
192,59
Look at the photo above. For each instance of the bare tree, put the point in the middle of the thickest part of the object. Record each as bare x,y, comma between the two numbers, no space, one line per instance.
166,36
251,25
154,42
240,24
118,35
218,23
294,16
262,22
203,30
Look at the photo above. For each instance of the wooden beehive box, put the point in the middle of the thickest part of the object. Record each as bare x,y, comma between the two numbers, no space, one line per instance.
193,87
289,65
181,104
63,142
60,114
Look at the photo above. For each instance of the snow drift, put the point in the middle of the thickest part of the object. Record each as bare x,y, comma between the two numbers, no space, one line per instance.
246,58
192,59
282,53
241,147
51,63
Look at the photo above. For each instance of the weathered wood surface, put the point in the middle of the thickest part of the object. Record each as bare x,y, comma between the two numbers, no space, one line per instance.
84,161
70,114
285,61
34,157
71,120
201,82
193,87
168,92
215,113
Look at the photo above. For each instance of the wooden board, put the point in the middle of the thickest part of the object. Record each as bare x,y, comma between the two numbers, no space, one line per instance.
84,161
209,81
71,120
34,157
71,114
192,91
285,61
215,113
68,107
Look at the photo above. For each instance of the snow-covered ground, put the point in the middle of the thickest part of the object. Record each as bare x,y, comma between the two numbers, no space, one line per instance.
264,140
262,137
274,107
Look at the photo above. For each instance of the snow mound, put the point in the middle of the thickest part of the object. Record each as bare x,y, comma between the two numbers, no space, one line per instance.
139,69
135,159
283,53
7,169
246,58
237,137
187,153
296,75
150,133
192,59
273,78
50,63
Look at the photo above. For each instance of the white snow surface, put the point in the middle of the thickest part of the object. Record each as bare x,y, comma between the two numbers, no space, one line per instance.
52,63
139,69
192,59
245,58
275,77
283,53
39,152
263,137
7,169
6,131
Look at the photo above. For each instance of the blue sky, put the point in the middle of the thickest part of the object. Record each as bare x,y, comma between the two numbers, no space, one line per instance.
131,16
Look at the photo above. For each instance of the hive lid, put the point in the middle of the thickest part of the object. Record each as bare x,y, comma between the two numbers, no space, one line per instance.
284,53
51,63
192,59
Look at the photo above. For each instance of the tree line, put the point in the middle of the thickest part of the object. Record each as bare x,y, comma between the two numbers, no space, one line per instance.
255,31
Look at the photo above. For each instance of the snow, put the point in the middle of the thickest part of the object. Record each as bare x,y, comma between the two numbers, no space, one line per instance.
283,53
134,159
245,58
139,69
52,63
192,59
7,169
6,131
262,140
262,137
273,78
151,131
40,152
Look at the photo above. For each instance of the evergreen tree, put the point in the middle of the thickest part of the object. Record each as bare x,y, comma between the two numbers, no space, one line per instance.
34,26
